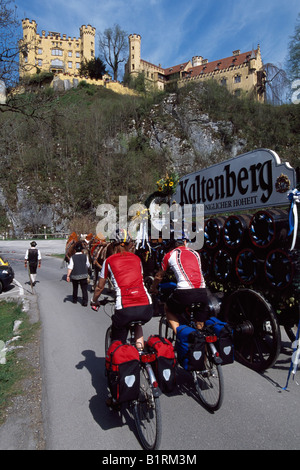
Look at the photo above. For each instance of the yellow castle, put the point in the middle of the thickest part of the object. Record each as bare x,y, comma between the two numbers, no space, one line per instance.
239,72
53,52
62,55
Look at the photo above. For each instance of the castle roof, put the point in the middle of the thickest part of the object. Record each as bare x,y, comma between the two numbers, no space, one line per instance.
153,65
237,59
176,68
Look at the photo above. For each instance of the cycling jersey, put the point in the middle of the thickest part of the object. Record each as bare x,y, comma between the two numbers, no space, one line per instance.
126,273
186,266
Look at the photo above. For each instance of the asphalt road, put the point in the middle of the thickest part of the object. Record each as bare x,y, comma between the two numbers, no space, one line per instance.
256,413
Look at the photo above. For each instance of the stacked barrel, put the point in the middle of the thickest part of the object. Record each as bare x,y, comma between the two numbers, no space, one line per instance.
249,250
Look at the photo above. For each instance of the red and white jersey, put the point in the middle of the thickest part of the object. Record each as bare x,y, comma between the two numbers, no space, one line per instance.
186,266
126,273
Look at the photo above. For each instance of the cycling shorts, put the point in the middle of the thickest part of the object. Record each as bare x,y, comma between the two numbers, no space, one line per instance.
123,316
182,298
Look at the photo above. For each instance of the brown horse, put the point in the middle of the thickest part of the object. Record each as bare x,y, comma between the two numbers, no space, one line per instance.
98,254
70,246
71,243
96,248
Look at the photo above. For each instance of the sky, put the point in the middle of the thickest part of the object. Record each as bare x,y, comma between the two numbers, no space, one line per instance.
173,31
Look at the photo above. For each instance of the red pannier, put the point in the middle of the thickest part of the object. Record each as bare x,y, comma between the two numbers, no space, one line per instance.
123,371
164,365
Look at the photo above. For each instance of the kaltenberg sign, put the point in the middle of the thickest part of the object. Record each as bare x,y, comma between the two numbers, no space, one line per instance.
254,179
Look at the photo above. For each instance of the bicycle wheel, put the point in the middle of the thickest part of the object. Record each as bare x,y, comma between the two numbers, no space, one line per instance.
147,414
108,338
209,384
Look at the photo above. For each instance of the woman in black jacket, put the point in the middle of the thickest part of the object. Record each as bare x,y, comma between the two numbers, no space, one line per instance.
78,273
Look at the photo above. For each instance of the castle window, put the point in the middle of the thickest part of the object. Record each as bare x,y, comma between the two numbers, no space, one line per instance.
70,53
77,65
77,54
40,62
57,52
70,65
40,51
223,82
57,63
237,79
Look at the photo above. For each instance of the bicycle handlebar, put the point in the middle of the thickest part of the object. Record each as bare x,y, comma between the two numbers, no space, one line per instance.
95,305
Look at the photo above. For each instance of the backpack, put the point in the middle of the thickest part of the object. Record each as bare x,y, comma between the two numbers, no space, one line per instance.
190,347
224,344
123,371
164,365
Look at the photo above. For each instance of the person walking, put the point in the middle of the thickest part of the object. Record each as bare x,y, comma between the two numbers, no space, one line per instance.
33,258
78,273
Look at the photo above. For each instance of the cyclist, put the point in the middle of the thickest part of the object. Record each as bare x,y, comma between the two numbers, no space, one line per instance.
186,266
133,301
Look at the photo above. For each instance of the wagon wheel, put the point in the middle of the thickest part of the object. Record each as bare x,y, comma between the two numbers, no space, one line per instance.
257,337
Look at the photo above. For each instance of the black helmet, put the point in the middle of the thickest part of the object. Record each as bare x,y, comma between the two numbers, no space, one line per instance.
177,239
122,237
33,243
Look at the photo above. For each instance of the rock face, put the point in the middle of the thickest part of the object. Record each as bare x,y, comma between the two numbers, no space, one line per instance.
29,216
189,136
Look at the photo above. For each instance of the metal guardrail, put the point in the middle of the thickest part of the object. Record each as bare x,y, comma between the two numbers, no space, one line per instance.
35,236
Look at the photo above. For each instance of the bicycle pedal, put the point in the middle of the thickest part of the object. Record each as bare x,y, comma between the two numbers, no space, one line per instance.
218,360
113,405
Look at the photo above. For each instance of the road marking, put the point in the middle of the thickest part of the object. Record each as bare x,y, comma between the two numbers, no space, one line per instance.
21,290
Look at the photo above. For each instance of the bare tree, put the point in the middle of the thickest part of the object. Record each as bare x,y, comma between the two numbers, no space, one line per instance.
9,51
114,46
277,84
293,59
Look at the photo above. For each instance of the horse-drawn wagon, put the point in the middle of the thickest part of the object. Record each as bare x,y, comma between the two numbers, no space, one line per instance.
250,255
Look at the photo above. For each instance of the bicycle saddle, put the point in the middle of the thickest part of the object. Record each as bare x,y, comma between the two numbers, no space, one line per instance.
136,322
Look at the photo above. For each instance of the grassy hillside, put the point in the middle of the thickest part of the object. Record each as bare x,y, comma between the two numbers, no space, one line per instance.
87,147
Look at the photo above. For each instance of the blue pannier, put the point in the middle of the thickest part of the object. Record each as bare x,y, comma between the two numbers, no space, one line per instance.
224,334
190,347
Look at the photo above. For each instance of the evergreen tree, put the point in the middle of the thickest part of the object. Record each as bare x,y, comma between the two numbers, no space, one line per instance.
94,68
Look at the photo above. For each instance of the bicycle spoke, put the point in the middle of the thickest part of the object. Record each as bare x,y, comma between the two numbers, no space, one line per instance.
209,385
147,415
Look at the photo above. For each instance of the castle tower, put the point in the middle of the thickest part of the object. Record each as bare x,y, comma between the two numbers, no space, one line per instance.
27,61
87,36
134,60
197,60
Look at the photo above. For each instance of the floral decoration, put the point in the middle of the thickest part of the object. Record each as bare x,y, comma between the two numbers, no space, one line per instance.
167,185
